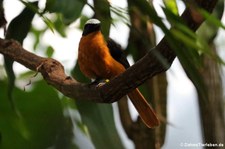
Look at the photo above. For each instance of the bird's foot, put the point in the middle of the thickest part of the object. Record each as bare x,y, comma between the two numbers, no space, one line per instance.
102,83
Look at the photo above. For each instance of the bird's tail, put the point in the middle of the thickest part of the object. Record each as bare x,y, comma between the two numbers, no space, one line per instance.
145,111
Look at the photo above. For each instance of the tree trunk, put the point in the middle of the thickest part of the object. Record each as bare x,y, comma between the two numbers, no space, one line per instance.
141,40
211,109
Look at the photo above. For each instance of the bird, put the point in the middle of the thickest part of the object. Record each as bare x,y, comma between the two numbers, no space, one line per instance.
103,59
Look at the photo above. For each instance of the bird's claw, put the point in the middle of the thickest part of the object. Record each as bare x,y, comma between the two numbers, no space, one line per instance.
102,83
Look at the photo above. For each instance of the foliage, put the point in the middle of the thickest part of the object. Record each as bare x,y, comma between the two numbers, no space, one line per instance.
43,118
28,126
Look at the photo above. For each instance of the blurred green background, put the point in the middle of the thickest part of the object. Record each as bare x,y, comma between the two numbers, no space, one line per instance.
33,115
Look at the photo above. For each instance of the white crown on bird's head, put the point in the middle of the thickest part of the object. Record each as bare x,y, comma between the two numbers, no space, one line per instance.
92,21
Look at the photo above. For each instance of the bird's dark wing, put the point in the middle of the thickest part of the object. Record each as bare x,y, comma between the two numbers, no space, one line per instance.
117,53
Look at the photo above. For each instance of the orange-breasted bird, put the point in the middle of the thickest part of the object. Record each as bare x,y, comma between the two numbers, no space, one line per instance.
101,59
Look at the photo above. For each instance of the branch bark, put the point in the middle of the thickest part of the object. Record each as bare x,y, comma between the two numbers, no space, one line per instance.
147,67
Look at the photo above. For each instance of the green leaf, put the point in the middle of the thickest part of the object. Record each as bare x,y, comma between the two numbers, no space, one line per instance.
83,20
171,5
149,10
101,125
60,26
70,9
39,122
20,25
172,17
81,135
212,19
18,31
49,51
212,23
122,14
41,14
102,12
188,55
48,22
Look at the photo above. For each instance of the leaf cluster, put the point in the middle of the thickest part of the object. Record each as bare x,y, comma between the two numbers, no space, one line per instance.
41,117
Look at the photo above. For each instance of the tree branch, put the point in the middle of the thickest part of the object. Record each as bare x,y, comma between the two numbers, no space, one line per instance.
52,71
147,67
150,65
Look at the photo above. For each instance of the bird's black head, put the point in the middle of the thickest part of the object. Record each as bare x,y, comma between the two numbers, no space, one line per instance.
91,25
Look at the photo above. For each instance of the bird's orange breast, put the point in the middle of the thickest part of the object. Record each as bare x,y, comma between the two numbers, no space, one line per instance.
94,58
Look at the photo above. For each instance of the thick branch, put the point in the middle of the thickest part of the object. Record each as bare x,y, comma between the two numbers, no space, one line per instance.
147,67
52,71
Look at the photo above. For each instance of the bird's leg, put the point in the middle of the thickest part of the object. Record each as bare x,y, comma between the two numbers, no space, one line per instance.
103,82
95,82
98,82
